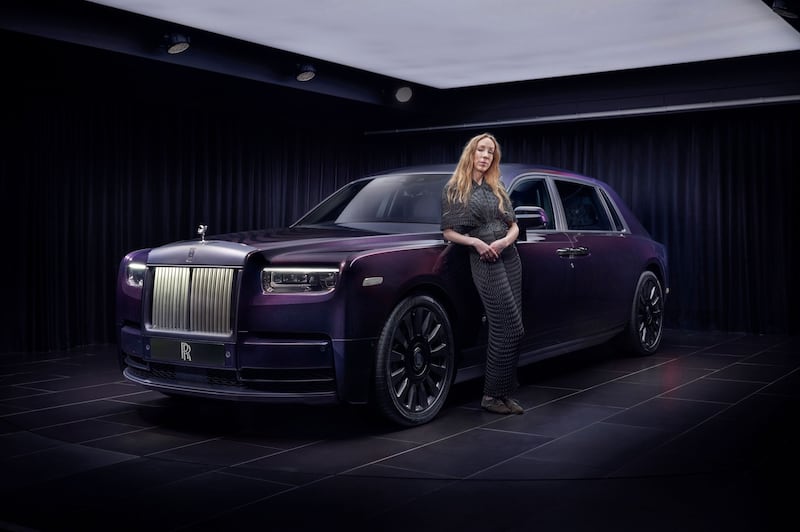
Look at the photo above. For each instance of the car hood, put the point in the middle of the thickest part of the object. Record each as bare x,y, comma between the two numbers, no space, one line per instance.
286,246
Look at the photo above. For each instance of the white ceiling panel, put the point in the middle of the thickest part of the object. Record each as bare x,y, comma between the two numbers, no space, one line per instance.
464,43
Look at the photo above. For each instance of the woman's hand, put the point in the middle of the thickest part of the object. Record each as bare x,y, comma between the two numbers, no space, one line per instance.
487,252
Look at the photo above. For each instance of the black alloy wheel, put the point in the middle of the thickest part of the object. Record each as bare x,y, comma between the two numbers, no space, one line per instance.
415,362
643,335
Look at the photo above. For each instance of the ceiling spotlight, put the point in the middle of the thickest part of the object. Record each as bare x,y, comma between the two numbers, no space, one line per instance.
305,72
403,94
782,8
176,43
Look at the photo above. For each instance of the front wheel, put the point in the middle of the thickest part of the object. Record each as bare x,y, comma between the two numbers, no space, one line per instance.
643,333
415,362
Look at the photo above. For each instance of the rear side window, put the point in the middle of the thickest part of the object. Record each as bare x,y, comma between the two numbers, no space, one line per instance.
583,208
618,225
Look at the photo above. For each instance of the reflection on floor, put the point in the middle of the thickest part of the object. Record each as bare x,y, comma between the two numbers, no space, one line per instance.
699,436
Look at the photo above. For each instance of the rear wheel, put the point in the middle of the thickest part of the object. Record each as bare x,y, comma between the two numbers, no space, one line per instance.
643,334
415,362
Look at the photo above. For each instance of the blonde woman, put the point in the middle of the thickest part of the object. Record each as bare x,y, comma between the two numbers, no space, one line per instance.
476,212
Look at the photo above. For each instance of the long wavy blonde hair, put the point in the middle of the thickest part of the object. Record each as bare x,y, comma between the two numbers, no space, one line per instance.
460,183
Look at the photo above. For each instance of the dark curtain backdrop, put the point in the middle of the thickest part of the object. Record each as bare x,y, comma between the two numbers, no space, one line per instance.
717,187
87,178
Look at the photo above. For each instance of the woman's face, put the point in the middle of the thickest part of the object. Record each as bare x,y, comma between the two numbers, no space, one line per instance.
484,154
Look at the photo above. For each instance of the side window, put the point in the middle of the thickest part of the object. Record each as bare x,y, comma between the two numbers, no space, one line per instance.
618,225
533,193
583,208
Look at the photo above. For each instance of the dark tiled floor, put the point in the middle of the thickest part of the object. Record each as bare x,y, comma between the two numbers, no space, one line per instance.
700,436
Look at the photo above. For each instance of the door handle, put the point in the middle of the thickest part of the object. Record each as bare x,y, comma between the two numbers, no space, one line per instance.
564,252
581,251
572,252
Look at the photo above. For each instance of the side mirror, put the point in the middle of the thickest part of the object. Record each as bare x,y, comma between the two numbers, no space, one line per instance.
530,217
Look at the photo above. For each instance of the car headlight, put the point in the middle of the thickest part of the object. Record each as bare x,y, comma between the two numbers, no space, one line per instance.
298,280
134,274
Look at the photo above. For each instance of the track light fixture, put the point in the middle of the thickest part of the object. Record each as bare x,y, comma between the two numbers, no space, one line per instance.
177,43
403,94
305,72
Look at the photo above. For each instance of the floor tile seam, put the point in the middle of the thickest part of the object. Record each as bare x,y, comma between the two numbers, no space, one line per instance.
692,381
415,447
56,392
62,443
604,419
232,510
551,441
631,373
695,426
93,418
228,473
397,440
101,438
546,387
57,378
31,391
787,375
35,362
28,396
132,403
516,432
781,395
279,452
345,472
77,403
740,381
735,358
758,352
431,475
691,400
623,376
696,348
758,364
214,467
773,381
65,445
178,447
235,509
421,474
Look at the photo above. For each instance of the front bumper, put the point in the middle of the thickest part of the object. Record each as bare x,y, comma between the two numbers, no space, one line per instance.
269,370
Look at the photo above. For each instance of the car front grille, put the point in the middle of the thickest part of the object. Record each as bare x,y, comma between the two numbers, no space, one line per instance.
192,299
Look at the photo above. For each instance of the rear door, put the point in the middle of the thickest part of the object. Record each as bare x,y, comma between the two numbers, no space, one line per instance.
600,257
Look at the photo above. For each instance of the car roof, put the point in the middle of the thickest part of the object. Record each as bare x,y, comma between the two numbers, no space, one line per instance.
507,170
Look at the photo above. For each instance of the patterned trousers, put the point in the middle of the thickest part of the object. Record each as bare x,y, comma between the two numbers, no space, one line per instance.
499,284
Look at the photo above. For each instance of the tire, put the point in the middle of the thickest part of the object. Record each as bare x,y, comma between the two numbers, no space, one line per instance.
643,334
414,363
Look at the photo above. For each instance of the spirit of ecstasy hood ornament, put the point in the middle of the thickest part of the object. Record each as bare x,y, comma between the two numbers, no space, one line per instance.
201,230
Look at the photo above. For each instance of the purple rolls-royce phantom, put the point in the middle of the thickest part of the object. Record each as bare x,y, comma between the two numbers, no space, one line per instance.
361,301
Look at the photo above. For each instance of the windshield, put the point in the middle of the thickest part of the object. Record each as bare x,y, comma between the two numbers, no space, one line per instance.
393,199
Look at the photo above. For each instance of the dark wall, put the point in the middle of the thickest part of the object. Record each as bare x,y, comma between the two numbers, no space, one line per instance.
104,153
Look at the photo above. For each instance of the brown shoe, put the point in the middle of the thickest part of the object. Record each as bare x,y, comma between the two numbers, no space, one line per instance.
495,405
513,406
